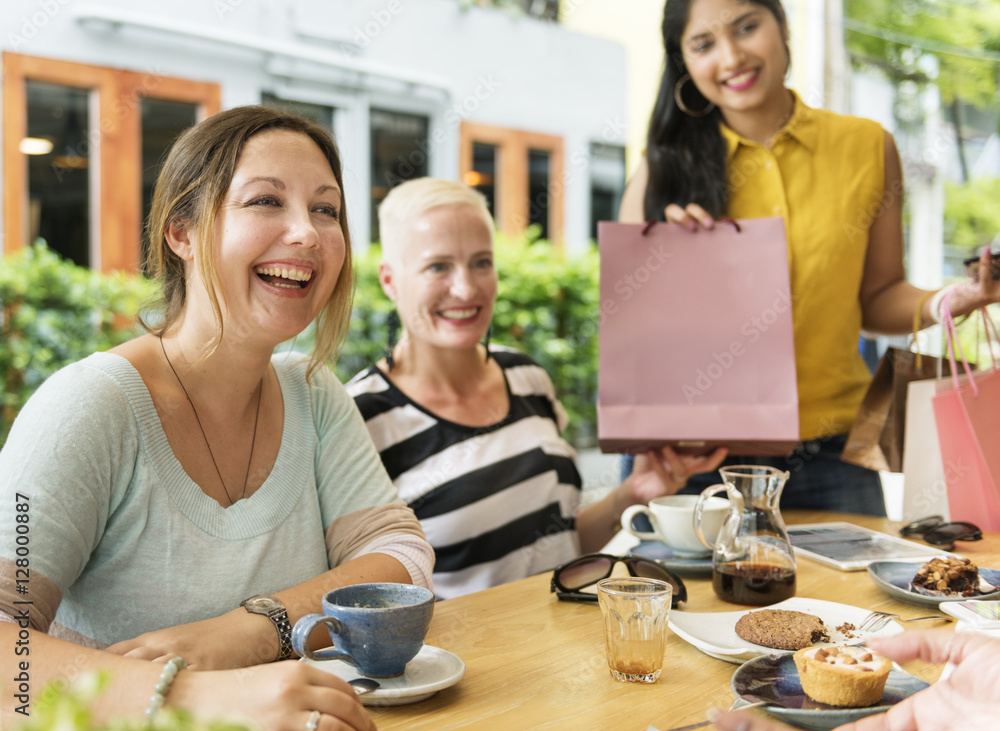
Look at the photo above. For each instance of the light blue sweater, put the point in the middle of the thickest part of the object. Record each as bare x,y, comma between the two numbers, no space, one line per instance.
123,542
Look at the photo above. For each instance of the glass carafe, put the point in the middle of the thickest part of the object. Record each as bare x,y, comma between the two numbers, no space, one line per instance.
752,560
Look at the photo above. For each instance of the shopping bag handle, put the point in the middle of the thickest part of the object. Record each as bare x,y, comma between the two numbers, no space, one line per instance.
722,219
951,337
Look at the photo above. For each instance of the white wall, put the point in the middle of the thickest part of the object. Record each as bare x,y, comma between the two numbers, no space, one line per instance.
426,56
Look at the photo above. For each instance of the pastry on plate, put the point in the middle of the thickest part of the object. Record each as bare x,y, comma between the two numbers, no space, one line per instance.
853,677
781,629
950,575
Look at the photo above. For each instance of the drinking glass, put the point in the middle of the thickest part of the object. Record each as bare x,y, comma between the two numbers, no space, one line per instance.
635,612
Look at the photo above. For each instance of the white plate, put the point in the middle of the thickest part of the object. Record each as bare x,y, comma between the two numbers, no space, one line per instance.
433,669
714,633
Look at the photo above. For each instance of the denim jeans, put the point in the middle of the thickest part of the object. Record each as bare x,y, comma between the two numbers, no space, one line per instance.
818,480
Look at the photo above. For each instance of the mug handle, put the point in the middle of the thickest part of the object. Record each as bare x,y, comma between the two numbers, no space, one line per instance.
304,628
699,508
630,512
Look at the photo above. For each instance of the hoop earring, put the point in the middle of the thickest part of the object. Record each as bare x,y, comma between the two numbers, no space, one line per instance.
486,341
392,323
679,99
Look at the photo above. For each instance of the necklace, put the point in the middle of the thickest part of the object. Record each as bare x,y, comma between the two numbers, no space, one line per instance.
253,439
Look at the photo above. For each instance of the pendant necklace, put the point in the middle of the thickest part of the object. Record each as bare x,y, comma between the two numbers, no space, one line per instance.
253,439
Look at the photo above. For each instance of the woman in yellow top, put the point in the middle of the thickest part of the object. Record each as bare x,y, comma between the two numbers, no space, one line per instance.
726,137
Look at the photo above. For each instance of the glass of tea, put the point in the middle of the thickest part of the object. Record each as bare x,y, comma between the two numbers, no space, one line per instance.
635,613
752,560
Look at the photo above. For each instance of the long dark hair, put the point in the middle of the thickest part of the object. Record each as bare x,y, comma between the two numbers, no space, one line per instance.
686,155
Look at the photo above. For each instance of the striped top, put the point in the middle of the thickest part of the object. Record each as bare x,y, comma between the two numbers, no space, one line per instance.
498,502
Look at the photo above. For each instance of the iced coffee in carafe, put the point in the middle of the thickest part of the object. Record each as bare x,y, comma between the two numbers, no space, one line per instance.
752,561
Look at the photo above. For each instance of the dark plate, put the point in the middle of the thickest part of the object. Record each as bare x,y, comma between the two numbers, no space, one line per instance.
682,565
774,678
894,577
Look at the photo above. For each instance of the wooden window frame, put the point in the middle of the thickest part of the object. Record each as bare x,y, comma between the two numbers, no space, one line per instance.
512,204
119,148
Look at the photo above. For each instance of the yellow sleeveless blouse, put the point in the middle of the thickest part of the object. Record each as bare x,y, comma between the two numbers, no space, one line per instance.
824,173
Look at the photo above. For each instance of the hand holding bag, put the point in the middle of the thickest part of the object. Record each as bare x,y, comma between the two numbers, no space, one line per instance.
695,338
967,413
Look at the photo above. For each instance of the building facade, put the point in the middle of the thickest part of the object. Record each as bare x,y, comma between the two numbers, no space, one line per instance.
529,112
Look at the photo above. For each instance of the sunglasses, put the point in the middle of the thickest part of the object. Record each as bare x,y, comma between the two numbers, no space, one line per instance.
972,266
937,532
587,570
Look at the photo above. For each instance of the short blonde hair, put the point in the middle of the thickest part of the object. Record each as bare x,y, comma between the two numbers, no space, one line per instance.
189,192
415,197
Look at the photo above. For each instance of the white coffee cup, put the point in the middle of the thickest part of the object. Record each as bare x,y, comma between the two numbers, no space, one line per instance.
672,518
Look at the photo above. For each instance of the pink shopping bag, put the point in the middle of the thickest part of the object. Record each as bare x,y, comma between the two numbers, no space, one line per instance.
967,412
696,347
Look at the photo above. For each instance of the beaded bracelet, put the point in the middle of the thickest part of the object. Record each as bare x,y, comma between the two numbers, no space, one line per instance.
159,697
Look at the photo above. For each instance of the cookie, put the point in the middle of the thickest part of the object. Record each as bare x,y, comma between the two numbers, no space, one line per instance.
781,629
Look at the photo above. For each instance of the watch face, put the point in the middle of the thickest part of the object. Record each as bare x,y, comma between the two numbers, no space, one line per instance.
262,604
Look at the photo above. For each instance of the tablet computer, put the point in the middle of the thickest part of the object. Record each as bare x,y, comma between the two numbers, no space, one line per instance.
850,547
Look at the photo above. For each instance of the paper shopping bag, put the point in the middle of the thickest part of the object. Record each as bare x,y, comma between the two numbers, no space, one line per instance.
695,338
876,440
967,412
924,487
969,433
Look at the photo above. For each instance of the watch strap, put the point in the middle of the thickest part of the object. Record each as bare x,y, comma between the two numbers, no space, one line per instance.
279,617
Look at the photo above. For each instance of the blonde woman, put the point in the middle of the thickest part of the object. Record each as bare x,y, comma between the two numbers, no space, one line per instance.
471,433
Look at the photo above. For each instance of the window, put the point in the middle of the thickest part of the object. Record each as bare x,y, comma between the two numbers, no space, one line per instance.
607,183
521,174
318,113
57,147
538,191
108,129
162,123
399,153
483,176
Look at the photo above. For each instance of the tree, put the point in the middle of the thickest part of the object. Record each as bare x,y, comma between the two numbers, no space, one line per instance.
953,43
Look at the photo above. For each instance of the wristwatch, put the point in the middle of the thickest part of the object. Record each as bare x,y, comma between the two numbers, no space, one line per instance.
273,609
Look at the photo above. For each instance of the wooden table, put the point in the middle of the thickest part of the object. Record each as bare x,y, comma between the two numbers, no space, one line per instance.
534,662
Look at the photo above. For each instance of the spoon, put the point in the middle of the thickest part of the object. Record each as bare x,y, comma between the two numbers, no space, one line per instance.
364,685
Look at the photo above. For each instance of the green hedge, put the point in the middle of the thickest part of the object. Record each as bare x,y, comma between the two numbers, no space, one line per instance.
53,313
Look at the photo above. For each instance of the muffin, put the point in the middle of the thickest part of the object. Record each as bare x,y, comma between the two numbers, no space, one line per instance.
853,677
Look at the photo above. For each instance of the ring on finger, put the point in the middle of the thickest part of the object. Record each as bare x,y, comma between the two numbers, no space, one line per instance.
313,723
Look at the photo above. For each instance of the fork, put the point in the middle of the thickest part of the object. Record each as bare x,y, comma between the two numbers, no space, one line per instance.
877,620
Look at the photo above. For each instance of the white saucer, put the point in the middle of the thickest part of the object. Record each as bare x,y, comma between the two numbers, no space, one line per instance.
433,669
714,633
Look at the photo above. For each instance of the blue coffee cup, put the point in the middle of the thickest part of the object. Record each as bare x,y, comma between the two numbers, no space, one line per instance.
376,627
